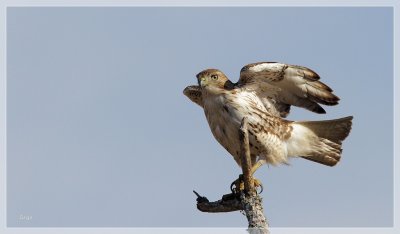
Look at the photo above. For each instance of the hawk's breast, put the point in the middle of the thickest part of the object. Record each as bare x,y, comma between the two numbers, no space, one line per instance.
224,113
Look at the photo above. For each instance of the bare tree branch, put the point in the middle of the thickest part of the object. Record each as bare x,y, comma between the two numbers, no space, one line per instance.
228,203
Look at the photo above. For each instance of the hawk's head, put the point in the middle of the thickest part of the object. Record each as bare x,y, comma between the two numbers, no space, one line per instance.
212,78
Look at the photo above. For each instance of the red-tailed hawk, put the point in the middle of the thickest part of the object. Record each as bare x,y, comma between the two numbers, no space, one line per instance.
264,93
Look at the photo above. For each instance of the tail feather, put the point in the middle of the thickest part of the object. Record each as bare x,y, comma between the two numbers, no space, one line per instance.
326,139
335,130
323,159
327,153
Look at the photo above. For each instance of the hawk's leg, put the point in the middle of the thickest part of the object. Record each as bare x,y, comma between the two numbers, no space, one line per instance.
257,165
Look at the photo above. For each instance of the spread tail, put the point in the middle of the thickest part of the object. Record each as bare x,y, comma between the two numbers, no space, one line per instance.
320,141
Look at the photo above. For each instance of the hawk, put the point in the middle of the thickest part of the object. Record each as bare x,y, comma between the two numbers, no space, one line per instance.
264,94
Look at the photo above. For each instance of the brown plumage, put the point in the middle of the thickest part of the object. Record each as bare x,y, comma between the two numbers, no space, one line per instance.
264,94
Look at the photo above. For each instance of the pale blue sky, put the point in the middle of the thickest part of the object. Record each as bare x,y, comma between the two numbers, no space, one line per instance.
99,132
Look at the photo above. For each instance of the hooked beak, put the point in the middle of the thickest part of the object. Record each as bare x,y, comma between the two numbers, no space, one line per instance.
202,82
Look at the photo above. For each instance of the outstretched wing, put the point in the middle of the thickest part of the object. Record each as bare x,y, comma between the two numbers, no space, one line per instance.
193,92
284,85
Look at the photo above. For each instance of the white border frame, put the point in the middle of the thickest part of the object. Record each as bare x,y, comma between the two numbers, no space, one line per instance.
192,3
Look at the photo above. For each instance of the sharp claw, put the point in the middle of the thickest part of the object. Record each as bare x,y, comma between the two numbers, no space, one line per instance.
236,185
262,189
232,190
257,183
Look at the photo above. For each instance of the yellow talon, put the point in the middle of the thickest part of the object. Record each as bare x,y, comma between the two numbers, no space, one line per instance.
238,185
257,183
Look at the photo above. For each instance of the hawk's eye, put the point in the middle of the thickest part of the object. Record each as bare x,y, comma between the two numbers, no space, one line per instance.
214,77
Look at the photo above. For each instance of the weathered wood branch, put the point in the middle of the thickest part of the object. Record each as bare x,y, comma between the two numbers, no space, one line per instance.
247,200
228,203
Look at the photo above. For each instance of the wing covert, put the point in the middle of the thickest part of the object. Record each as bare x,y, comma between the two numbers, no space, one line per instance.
287,85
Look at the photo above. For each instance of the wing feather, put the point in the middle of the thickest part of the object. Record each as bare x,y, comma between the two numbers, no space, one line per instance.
288,85
193,92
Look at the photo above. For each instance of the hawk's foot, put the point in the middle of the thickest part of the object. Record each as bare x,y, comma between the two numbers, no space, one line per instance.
238,185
